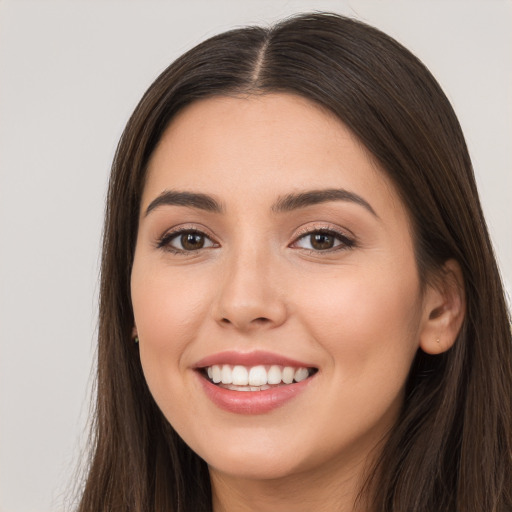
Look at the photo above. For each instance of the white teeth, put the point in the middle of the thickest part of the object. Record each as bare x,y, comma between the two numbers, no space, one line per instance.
301,374
240,376
246,388
216,373
288,374
256,378
274,375
227,374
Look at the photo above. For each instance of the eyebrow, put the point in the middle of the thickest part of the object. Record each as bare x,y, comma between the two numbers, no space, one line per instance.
286,203
292,202
188,199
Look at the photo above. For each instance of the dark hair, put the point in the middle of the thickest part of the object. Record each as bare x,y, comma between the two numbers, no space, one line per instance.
451,449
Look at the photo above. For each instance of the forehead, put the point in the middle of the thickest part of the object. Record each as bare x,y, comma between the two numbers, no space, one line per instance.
262,145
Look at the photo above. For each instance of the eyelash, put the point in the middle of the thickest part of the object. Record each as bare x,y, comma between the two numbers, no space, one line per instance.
165,241
345,242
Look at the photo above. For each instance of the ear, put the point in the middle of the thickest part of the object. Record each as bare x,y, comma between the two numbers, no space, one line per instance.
134,332
444,309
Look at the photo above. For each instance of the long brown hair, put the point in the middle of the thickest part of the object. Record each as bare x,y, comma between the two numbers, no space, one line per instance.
451,449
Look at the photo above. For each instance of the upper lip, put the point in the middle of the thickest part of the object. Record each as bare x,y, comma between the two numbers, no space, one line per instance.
254,358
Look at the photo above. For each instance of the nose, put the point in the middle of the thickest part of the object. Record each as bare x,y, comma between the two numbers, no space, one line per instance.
250,296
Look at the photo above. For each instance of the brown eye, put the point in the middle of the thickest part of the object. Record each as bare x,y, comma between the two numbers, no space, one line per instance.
192,241
185,241
322,241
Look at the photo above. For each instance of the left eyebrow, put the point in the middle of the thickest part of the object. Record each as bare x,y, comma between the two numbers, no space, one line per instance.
292,202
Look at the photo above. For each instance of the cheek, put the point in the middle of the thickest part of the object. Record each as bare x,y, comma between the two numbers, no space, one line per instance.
167,304
367,321
368,326
168,310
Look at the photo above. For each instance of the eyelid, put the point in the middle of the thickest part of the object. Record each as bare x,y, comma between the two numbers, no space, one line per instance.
162,242
323,226
347,238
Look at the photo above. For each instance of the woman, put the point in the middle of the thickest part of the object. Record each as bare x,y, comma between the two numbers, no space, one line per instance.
300,307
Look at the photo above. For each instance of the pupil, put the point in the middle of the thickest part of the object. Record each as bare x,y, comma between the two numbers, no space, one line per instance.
322,241
192,241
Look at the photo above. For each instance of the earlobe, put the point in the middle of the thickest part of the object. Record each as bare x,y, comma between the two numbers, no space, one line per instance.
444,310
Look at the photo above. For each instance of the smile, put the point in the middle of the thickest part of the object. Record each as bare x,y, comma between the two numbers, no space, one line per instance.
255,378
228,378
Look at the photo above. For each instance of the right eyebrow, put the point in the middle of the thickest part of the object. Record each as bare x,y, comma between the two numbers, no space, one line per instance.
188,199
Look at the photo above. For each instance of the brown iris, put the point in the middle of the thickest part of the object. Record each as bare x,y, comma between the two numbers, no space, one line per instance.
192,241
322,241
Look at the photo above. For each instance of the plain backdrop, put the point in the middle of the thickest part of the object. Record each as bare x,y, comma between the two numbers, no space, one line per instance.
70,75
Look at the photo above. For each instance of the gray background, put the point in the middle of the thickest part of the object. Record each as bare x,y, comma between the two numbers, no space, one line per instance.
70,74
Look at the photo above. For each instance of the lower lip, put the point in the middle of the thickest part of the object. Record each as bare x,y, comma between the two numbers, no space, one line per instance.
252,402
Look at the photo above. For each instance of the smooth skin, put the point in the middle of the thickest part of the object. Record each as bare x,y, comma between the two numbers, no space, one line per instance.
334,284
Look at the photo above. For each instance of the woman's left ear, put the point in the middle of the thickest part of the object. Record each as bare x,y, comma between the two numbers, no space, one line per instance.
444,307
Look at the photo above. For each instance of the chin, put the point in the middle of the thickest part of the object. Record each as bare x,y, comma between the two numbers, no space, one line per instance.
278,462
256,468
264,460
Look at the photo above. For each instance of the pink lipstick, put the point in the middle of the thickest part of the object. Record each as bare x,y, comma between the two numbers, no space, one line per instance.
252,383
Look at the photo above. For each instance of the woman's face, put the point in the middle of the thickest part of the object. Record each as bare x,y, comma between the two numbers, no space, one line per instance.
269,241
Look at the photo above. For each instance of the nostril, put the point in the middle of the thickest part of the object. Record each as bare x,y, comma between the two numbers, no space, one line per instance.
255,321
261,320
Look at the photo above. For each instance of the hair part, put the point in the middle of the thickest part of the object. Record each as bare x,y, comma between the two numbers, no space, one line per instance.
451,448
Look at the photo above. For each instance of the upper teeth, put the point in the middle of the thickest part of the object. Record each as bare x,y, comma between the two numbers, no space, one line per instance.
255,375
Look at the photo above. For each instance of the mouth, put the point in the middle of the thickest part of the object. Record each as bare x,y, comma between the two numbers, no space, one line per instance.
255,378
256,382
